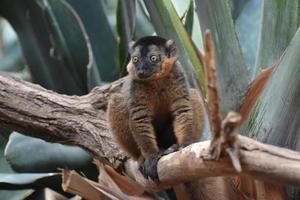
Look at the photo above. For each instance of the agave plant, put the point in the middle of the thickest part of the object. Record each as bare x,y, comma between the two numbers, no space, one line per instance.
70,46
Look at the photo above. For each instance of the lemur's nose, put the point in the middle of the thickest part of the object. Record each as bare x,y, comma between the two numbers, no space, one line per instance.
143,73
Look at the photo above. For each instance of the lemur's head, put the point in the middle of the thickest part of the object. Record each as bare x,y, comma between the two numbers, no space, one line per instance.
152,57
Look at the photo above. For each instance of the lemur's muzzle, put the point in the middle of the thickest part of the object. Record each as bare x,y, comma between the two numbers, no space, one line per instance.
144,70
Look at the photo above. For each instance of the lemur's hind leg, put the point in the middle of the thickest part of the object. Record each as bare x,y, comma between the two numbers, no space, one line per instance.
198,121
198,114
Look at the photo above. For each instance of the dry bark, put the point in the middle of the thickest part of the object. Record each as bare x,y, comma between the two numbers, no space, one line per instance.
73,120
259,161
81,121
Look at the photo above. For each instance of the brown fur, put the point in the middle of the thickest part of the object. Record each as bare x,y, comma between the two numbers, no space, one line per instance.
154,113
145,111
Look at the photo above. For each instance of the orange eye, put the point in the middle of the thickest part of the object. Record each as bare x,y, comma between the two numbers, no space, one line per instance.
153,58
135,59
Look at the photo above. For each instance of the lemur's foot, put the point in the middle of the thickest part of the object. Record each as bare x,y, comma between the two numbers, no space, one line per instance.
149,167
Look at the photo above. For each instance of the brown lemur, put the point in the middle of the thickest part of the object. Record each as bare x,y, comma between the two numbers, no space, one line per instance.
155,108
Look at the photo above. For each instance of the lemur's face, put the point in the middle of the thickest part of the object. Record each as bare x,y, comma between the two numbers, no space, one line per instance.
149,56
147,60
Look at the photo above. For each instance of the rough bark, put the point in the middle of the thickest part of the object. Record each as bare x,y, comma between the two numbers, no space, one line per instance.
259,161
73,120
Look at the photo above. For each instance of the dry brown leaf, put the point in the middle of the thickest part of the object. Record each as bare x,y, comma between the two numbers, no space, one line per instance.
52,195
255,89
118,183
76,184
105,189
249,188
126,185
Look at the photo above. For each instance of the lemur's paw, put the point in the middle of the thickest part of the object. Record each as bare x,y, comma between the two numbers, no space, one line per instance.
149,167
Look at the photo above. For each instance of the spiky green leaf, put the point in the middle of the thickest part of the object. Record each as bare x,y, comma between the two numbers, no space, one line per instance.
232,72
279,24
30,155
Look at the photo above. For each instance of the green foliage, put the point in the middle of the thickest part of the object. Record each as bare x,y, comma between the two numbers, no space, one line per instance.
125,27
101,36
70,46
168,24
216,16
44,156
15,194
5,171
276,120
247,27
278,117
44,56
237,8
189,18
21,181
65,40
278,28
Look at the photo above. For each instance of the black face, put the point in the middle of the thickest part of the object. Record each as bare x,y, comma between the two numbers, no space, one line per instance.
147,60
148,54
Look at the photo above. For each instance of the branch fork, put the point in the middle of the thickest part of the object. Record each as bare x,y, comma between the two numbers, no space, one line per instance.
224,131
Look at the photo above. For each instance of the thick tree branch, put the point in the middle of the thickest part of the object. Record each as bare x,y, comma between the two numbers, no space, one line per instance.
81,121
260,161
73,120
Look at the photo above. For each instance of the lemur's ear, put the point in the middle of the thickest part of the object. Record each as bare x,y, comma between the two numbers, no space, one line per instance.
171,48
130,46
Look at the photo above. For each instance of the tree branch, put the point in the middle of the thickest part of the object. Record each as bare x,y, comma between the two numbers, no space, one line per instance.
259,161
73,120
81,121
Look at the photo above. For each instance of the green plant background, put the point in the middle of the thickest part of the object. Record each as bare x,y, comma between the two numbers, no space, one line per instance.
71,46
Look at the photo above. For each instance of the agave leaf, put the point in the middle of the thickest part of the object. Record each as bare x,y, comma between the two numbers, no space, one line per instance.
276,118
12,59
125,28
13,181
21,181
58,14
101,36
215,15
167,24
15,194
44,156
44,46
30,22
189,19
237,7
24,30
80,64
4,168
143,25
279,24
247,27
